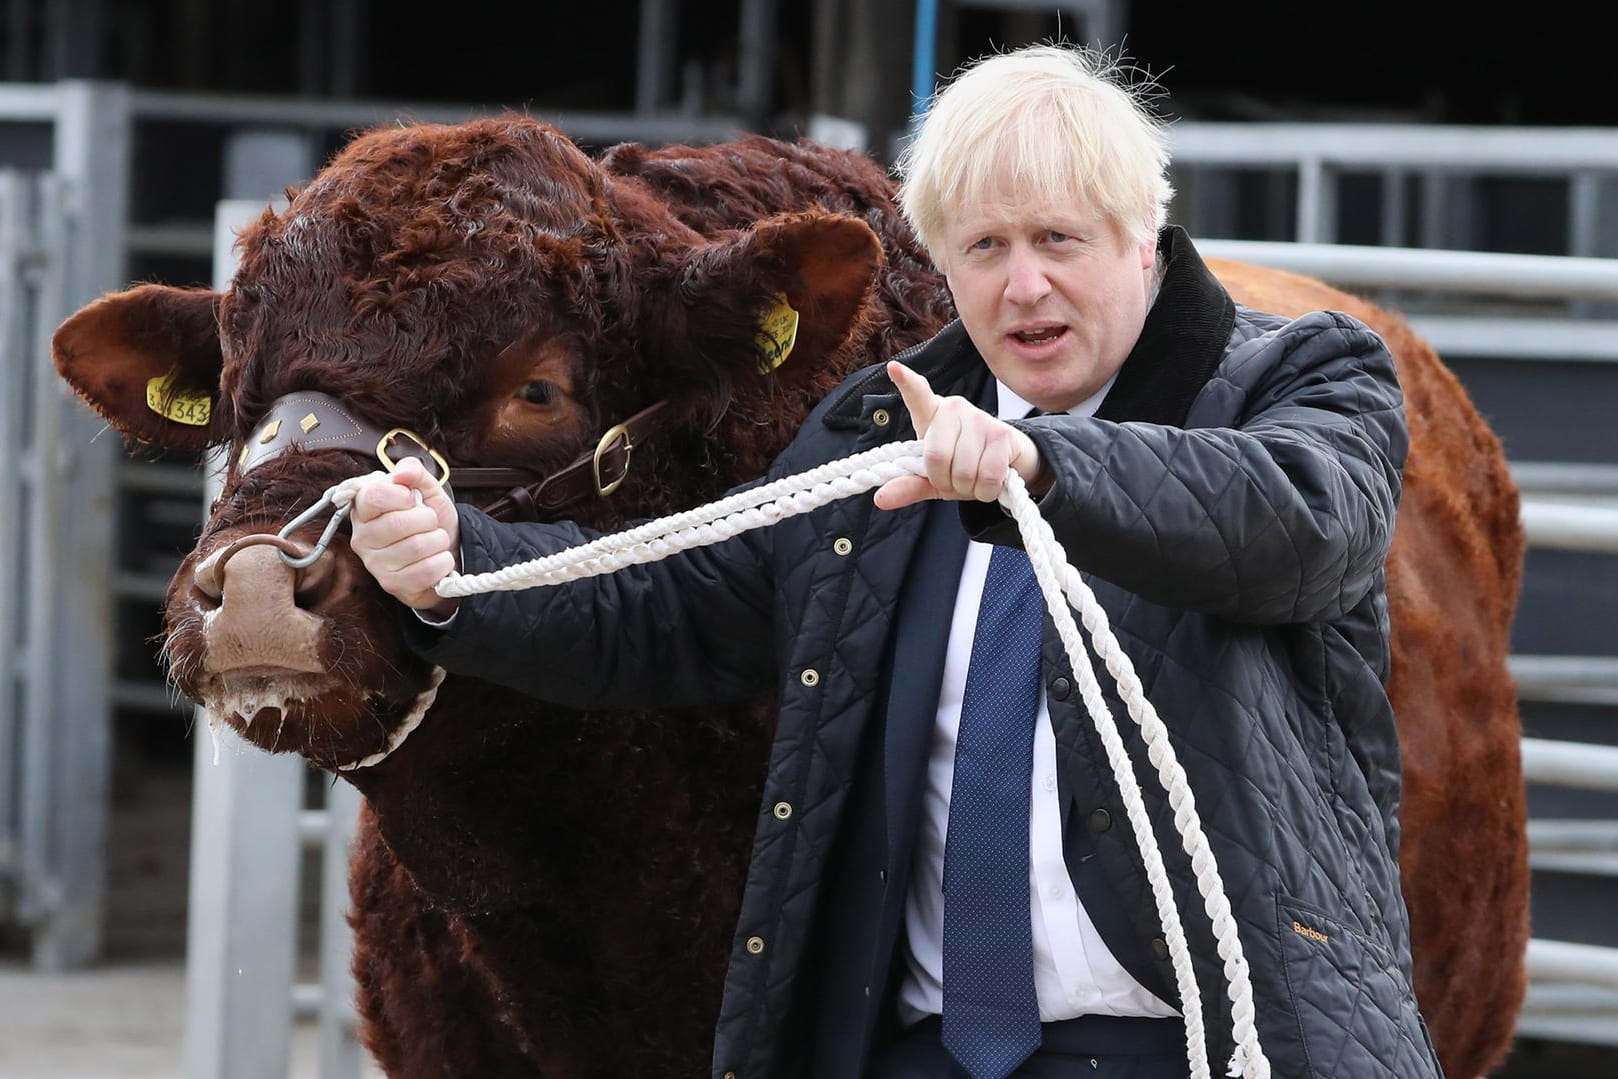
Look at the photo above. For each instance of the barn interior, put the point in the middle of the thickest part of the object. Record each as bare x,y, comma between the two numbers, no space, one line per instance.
238,100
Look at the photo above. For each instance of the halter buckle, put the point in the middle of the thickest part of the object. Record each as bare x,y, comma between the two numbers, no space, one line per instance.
391,464
617,432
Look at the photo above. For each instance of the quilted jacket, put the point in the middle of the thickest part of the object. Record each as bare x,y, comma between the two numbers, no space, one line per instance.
1231,506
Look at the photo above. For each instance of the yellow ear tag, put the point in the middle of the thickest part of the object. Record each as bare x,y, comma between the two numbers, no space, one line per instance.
777,333
190,407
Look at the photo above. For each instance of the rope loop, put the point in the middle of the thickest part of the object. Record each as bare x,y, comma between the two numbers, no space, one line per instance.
1065,592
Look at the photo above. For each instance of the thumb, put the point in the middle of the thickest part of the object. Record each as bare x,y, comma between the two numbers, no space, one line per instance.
413,474
918,395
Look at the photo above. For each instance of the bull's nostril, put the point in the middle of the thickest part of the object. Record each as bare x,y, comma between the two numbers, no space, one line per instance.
206,587
313,583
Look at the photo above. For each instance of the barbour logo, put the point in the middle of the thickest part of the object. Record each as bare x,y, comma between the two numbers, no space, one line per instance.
1313,934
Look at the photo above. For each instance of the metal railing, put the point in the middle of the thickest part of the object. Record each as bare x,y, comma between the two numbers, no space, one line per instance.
1553,335
62,241
1443,161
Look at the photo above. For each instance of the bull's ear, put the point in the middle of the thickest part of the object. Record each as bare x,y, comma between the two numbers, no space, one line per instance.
781,300
148,360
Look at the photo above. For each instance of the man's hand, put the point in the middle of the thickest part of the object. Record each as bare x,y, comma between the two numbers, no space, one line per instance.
967,451
408,536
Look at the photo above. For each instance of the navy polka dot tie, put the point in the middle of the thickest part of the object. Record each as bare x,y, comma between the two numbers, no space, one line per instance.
991,1014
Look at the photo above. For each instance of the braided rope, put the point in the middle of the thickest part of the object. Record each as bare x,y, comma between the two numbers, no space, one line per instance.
1046,554
755,507
766,504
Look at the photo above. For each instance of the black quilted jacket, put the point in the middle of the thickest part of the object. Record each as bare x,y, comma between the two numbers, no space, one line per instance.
1231,507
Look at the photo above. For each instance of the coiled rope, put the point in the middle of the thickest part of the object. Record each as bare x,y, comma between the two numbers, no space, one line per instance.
768,503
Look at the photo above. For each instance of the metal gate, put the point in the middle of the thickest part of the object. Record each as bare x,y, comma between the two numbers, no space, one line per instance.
53,584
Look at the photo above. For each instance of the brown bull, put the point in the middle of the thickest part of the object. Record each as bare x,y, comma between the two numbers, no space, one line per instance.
538,891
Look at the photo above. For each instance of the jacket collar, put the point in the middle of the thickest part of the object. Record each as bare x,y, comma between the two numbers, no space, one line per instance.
1184,338
1185,335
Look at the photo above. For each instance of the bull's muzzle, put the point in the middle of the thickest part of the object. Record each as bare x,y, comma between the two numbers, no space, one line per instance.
258,612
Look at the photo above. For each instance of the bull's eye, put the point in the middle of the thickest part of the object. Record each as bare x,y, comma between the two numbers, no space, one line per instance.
538,392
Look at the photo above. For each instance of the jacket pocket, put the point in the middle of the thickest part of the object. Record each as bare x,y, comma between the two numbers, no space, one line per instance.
1355,1012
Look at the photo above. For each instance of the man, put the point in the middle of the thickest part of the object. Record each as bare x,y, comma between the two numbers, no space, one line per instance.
951,888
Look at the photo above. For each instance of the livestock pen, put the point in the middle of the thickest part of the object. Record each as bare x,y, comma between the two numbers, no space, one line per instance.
1531,337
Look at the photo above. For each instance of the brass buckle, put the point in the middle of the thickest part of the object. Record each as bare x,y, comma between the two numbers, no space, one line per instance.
400,432
614,433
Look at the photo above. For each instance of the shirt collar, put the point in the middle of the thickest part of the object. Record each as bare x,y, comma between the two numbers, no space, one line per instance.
1012,407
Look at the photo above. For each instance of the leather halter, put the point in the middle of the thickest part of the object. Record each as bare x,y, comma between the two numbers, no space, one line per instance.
316,421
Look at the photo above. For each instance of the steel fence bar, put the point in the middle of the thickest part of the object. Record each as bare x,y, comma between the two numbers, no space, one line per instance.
1558,340
1489,272
1558,961
14,237
1538,673
1565,478
1373,147
1567,526
1570,764
585,125
29,102
41,607
340,1052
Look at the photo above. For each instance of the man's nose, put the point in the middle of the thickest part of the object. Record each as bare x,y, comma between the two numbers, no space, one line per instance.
1026,283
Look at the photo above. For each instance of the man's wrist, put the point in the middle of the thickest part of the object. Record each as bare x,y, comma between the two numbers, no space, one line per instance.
439,614
1043,481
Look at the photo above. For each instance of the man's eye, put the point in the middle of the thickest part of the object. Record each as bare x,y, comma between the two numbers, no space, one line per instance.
983,243
1056,237
538,392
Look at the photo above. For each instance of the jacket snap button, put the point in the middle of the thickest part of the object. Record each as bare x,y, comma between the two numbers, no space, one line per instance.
810,677
755,945
1100,820
1061,688
783,810
843,545
1160,947
880,417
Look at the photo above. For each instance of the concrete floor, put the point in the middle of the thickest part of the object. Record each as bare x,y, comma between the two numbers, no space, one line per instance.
118,1021
127,1021
125,1018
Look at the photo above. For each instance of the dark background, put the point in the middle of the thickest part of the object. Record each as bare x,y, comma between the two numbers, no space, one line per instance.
1436,62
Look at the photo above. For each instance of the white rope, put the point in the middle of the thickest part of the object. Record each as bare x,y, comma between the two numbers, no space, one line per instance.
412,720
768,503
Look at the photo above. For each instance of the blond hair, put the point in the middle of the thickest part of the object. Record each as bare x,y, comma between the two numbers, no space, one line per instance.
1064,121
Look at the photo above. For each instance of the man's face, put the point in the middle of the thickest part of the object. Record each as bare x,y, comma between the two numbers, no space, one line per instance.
1054,299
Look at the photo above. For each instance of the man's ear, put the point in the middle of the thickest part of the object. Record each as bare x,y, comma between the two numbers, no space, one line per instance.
777,303
149,361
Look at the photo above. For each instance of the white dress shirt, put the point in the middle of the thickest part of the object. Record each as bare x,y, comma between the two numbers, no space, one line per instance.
1074,972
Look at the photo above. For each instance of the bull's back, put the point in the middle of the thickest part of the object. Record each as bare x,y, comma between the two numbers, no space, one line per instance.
734,185
1453,578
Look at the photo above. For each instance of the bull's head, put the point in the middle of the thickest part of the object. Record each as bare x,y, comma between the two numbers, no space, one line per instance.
489,289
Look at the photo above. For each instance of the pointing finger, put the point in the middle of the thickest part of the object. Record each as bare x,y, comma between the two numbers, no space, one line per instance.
917,393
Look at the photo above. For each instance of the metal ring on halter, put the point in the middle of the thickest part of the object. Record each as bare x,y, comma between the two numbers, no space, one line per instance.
321,544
